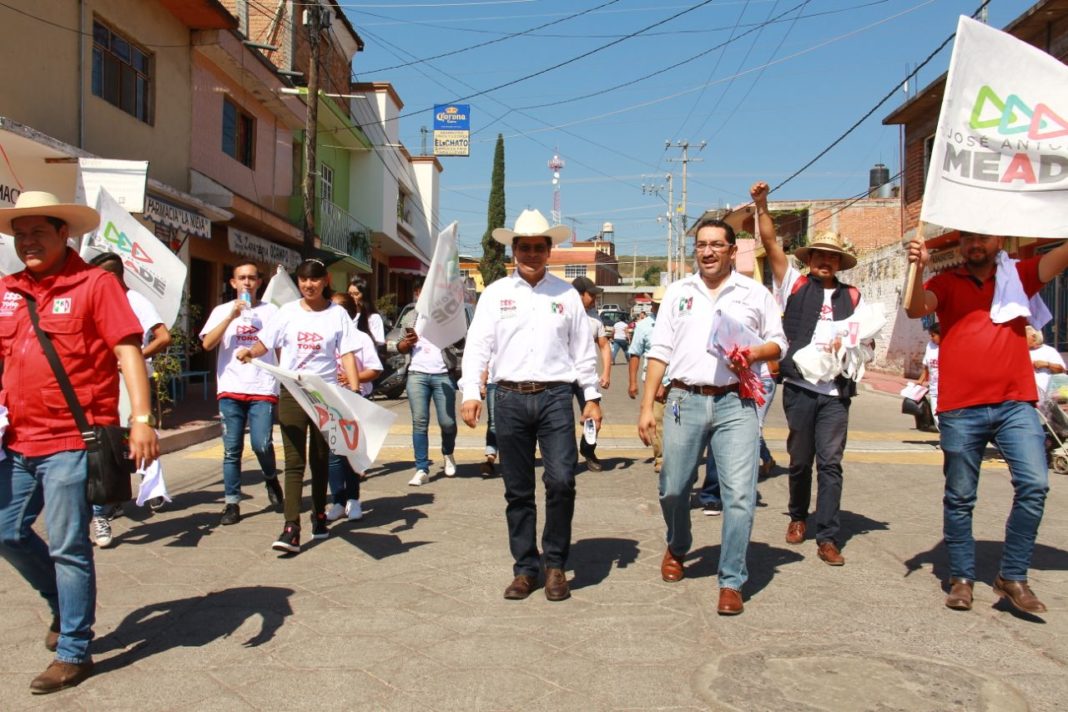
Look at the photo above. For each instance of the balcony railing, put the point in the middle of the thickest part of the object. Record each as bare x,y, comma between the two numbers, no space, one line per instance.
343,233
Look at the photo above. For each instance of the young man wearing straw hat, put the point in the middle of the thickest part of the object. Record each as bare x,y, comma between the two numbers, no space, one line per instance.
817,413
88,318
534,329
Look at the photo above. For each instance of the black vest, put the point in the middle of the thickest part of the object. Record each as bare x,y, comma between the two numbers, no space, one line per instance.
799,323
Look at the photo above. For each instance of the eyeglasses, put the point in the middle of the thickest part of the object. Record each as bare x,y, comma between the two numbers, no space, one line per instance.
711,246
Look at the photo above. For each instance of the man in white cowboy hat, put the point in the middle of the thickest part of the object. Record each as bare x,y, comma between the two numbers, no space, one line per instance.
85,312
986,393
706,402
640,343
817,414
533,328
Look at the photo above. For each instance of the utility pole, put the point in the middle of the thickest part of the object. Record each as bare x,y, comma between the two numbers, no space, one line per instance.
684,146
670,218
313,20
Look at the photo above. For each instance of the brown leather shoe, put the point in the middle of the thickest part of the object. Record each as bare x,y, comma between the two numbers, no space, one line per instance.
521,587
960,594
830,554
52,636
795,532
59,676
671,569
556,588
730,602
1019,594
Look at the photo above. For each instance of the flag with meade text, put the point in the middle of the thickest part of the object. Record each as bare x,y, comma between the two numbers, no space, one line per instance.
1000,160
354,427
151,268
441,302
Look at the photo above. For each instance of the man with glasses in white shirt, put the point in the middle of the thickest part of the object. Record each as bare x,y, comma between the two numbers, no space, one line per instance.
533,328
705,404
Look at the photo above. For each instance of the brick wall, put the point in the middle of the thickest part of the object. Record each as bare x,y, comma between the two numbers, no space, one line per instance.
868,224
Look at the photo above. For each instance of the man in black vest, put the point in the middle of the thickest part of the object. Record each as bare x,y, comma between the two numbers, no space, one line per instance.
817,413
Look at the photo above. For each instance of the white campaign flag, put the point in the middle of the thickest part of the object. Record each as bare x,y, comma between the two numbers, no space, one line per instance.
354,427
151,268
442,300
281,290
10,187
1000,159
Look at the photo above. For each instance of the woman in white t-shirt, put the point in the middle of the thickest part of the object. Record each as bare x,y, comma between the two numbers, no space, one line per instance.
344,481
309,333
1046,360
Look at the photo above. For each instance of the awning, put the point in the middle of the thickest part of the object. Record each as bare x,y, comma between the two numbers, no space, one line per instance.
407,265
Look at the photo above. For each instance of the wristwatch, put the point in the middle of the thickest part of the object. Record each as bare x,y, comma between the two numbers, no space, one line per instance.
149,420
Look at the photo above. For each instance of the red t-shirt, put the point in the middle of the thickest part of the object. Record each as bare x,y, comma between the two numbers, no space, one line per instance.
981,362
85,312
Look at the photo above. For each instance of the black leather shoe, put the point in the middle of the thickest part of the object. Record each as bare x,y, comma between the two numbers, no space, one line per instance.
556,588
593,464
521,587
59,676
52,636
231,514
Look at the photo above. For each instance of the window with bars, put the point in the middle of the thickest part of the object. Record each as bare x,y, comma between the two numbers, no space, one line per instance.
572,271
238,133
326,182
122,72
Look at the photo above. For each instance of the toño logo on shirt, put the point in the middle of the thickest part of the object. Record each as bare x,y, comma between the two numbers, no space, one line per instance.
61,306
556,308
308,341
507,308
10,303
826,313
246,333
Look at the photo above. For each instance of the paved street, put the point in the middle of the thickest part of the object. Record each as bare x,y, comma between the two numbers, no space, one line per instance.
403,610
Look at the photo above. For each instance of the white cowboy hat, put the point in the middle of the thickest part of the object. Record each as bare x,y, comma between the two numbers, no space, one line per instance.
829,242
80,219
531,223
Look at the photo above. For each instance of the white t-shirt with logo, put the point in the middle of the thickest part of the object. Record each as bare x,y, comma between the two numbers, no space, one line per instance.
366,357
232,376
426,357
310,341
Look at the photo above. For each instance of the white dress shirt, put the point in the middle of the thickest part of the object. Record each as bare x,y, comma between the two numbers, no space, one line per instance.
531,333
684,323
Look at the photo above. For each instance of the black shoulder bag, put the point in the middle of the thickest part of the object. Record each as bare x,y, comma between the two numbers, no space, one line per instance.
107,446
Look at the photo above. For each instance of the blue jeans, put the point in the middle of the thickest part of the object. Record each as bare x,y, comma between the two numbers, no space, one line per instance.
260,418
732,425
709,492
617,346
344,483
491,428
1014,428
421,388
547,420
61,570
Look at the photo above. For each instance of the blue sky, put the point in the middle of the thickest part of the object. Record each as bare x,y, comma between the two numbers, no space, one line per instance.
767,97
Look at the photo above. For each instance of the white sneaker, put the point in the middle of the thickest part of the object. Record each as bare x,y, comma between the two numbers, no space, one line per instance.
353,510
102,532
335,512
450,466
420,478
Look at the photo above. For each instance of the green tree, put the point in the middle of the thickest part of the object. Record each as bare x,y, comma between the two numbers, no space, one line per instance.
492,266
652,275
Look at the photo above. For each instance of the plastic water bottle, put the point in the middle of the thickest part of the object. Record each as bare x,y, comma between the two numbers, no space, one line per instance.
589,431
246,297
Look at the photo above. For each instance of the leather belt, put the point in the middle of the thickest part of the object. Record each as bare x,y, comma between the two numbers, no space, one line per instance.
705,390
529,387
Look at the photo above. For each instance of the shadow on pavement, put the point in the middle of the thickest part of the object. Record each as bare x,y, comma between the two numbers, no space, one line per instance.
763,563
592,560
192,623
987,560
853,524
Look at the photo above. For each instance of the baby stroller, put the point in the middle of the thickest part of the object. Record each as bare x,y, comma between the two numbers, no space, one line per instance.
1051,406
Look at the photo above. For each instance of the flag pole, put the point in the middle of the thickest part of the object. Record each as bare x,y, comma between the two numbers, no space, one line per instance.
910,279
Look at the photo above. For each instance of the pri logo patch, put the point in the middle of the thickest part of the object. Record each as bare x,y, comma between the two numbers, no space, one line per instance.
61,306
685,305
556,308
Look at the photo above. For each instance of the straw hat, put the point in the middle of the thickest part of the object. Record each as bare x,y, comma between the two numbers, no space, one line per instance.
80,219
829,242
658,294
531,223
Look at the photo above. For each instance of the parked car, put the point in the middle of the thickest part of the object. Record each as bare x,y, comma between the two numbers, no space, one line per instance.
394,377
608,308
609,318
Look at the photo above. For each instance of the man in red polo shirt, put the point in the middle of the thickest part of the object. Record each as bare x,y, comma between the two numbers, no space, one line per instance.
986,394
86,315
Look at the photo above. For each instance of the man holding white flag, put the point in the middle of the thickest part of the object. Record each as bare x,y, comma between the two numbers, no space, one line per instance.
439,324
987,185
